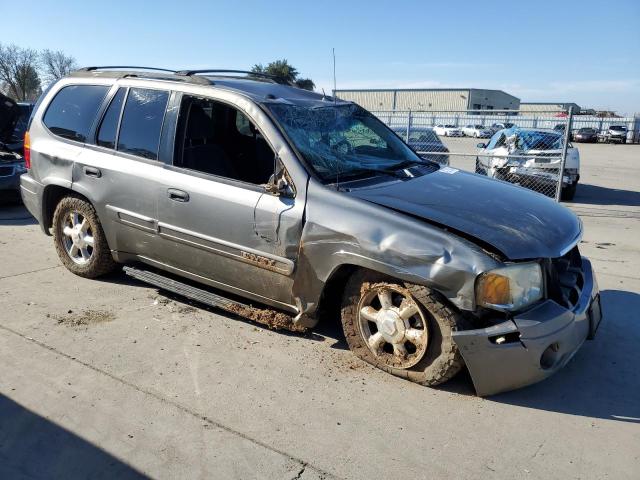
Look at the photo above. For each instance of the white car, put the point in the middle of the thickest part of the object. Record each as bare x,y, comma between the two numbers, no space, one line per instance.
477,131
530,157
448,131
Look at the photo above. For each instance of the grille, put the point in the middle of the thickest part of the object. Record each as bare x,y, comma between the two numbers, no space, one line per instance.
565,278
6,171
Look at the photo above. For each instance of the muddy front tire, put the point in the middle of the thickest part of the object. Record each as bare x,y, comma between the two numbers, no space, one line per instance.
79,239
402,328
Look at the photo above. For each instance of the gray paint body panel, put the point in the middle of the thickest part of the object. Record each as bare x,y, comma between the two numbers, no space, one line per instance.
282,250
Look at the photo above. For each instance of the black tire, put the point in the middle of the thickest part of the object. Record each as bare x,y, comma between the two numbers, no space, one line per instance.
480,170
100,261
569,192
440,362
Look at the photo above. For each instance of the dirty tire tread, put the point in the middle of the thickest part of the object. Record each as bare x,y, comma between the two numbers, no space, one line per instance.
102,262
431,370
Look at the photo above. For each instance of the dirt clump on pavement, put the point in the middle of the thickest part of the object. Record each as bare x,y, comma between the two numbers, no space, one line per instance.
84,318
271,318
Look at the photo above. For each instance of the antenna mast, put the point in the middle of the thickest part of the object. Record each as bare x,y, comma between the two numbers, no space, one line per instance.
333,50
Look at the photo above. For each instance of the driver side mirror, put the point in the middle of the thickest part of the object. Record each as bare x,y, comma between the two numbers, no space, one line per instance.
280,188
481,145
278,183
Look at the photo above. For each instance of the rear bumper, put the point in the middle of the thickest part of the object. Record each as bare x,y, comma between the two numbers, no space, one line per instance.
549,336
32,192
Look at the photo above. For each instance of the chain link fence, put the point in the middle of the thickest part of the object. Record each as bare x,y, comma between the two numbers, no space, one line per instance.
503,145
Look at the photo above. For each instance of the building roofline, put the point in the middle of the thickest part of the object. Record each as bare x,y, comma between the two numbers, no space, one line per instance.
548,103
339,90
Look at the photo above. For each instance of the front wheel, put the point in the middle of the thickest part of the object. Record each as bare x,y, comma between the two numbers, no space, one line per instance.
402,328
569,192
79,239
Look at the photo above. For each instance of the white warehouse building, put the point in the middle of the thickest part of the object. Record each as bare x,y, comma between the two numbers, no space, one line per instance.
431,99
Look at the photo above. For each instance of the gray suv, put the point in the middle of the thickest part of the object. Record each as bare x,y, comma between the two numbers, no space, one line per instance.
282,204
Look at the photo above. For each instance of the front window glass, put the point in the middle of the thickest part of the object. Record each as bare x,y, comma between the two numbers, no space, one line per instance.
534,140
342,140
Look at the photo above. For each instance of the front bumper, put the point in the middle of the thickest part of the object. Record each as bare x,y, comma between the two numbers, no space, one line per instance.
538,342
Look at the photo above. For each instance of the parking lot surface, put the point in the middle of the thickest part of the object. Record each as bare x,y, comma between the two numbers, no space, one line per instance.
111,379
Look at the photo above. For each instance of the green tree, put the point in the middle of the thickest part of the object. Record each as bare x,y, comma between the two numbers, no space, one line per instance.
283,71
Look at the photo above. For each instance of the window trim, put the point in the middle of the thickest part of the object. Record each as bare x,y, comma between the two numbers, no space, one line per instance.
103,114
219,178
91,128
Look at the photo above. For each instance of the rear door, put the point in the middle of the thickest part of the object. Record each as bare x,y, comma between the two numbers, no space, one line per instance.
120,170
217,221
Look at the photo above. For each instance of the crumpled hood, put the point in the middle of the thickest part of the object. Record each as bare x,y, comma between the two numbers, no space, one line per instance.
517,222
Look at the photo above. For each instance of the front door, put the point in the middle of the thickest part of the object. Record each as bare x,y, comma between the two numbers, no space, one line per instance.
217,221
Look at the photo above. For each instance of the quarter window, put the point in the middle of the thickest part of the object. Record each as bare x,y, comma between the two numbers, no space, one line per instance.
73,110
142,122
109,125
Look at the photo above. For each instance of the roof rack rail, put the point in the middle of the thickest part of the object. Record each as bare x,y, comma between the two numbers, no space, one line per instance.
190,73
123,67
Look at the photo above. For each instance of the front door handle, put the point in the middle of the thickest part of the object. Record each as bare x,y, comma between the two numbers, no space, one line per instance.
178,195
92,172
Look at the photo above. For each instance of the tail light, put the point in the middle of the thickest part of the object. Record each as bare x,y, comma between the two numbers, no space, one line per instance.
27,150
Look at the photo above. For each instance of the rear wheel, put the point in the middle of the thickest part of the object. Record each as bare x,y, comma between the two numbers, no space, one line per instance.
402,328
79,239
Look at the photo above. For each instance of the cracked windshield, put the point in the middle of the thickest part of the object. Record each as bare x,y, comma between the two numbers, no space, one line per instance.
343,141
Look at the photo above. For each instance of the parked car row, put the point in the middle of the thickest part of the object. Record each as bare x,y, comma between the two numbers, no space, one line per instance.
613,134
471,130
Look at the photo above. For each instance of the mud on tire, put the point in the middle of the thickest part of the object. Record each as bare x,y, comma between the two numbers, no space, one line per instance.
100,262
440,362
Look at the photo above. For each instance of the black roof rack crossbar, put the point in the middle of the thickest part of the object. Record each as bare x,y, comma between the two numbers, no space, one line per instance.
124,67
190,73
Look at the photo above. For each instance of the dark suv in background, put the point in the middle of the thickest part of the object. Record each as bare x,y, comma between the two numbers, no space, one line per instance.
14,118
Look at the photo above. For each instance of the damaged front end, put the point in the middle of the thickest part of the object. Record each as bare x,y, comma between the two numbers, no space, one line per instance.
535,168
532,345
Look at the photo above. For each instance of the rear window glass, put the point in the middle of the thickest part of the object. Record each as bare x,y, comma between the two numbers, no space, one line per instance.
73,110
142,122
109,126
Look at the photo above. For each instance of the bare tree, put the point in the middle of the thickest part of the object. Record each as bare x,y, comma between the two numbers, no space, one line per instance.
55,65
18,72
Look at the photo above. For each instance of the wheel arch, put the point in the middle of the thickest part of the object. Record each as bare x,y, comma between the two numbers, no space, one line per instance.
329,298
51,196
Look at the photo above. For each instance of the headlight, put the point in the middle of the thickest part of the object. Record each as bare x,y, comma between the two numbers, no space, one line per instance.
510,288
20,169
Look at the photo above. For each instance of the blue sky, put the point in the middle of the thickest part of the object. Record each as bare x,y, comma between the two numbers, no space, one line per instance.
584,51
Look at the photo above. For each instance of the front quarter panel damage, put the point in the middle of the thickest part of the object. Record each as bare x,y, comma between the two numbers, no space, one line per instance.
343,230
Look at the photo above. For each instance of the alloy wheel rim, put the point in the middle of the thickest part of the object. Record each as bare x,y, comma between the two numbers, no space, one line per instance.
393,326
77,237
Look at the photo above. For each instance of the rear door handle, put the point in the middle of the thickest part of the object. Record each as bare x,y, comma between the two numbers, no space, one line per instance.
178,195
92,172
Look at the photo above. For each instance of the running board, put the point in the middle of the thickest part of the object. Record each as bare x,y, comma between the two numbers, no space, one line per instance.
272,318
